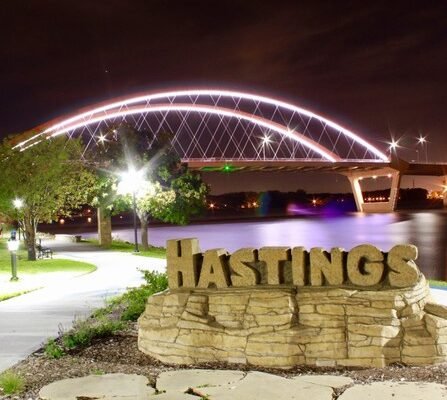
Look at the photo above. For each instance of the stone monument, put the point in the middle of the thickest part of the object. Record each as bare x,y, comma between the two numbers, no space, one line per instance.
281,307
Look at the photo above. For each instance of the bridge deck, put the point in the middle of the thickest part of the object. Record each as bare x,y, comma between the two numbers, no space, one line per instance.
341,167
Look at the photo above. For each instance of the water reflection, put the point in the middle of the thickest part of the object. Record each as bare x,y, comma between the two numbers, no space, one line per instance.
427,230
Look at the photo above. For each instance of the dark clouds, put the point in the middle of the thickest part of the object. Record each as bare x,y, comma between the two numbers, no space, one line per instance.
375,66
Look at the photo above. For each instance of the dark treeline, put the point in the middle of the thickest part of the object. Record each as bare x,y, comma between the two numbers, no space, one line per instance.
298,202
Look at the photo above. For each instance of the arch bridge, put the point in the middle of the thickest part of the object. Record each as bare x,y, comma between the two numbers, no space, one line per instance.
222,129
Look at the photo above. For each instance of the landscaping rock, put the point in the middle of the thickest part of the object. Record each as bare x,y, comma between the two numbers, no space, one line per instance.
396,391
180,381
332,381
104,387
222,385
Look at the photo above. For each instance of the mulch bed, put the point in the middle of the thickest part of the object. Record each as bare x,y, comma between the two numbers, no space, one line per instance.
120,353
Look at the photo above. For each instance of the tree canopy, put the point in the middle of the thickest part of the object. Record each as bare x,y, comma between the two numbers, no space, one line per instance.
49,180
168,191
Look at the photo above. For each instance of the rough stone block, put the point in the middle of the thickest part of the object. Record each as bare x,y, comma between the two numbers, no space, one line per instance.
331,309
285,326
436,309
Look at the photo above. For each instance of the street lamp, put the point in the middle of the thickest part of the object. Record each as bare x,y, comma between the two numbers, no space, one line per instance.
265,142
18,204
423,142
133,182
394,144
13,246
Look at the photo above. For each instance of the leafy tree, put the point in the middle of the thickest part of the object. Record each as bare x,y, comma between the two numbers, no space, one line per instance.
48,178
172,193
103,160
174,199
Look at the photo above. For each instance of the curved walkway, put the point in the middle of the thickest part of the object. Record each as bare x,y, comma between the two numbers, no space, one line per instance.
29,320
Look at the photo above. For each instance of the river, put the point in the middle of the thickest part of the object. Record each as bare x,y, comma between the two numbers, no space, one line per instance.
425,229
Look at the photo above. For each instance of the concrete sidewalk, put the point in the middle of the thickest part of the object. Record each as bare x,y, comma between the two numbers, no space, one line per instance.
29,320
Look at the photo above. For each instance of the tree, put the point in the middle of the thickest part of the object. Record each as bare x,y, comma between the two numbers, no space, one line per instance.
172,193
103,160
48,178
175,199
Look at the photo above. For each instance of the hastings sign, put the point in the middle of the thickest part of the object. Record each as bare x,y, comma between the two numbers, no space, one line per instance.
363,267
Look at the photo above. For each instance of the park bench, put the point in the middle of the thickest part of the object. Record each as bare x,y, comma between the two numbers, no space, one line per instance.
44,252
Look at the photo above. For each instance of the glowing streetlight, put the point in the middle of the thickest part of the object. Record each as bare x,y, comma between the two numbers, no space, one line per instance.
102,138
133,182
265,141
13,246
423,142
394,144
18,203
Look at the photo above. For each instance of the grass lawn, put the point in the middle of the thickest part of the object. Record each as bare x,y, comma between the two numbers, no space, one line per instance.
35,274
38,266
438,284
117,245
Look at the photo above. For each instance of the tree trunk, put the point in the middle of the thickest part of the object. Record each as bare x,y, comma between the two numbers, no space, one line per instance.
144,237
30,238
104,227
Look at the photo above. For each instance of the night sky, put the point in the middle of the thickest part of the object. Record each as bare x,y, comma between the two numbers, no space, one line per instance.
377,67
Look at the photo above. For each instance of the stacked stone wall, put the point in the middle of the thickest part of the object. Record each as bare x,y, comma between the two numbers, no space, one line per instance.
286,326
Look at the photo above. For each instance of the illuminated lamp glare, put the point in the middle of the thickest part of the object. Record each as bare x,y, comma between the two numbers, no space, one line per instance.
18,203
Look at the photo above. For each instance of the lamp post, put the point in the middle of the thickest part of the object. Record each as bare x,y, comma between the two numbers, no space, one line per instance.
13,246
423,142
18,204
134,204
265,142
132,182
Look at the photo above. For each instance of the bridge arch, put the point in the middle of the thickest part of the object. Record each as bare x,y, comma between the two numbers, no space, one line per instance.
222,125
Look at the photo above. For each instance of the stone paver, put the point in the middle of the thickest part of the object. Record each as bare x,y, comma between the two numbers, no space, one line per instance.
105,387
180,381
226,385
332,381
222,385
396,391
173,396
260,386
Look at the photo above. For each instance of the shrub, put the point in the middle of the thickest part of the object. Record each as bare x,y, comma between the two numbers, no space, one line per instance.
53,349
158,281
85,331
11,383
135,299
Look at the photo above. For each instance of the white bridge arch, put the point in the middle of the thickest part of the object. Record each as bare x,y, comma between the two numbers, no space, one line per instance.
220,125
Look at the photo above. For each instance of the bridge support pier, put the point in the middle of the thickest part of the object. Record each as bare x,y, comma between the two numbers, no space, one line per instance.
380,207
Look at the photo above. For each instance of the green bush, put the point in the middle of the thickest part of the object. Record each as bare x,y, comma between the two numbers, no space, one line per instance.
11,383
158,281
85,331
135,300
53,349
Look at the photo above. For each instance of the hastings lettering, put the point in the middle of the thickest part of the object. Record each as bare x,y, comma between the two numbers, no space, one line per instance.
363,266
